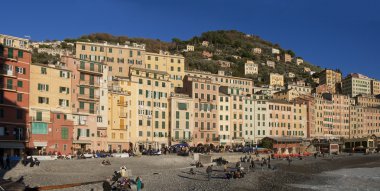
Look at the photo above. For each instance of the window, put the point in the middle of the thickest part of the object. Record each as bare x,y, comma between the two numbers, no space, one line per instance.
43,100
20,70
43,70
81,105
10,84
64,133
20,54
19,97
19,114
39,128
1,112
43,87
10,52
19,84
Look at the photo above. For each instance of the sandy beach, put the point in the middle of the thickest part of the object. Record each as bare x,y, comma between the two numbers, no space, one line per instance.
171,172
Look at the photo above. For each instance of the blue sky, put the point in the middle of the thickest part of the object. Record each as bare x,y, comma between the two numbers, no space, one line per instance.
330,33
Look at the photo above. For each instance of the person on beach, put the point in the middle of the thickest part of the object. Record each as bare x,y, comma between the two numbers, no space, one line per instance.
252,164
138,183
209,171
8,162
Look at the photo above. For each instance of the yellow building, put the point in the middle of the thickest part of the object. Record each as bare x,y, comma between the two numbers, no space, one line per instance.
119,103
288,95
375,87
150,91
330,78
46,94
118,57
276,79
174,65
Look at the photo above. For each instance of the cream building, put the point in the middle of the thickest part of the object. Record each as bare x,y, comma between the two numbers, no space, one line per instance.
190,48
224,119
275,51
276,79
355,84
205,43
182,119
299,61
251,68
117,57
14,42
271,64
174,65
249,123
257,51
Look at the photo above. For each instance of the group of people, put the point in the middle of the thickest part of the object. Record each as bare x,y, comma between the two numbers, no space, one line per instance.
32,161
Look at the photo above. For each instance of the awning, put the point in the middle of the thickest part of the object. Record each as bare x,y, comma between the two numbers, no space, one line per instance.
81,142
39,144
12,145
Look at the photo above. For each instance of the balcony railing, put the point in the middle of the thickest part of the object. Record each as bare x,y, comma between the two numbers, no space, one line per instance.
86,111
123,115
89,83
8,87
124,103
89,70
88,96
41,119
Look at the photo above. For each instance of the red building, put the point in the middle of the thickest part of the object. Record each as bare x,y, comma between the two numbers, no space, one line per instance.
14,99
57,138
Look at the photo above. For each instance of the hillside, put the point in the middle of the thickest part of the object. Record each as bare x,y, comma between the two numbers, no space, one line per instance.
231,45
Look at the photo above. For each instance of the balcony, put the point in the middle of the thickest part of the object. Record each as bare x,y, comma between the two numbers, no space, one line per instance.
123,115
89,83
9,87
10,73
124,103
41,119
88,97
89,70
86,111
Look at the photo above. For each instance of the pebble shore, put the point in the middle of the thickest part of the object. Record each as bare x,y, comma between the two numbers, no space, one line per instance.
171,172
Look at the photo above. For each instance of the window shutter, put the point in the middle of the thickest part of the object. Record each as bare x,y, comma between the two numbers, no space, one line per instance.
47,87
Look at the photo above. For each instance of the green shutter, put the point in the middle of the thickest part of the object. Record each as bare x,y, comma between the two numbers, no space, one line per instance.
92,92
39,116
81,65
81,90
10,52
20,53
39,128
81,105
65,133
9,84
19,84
92,106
